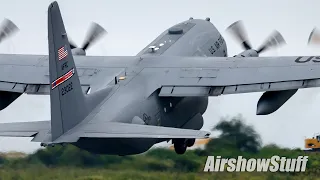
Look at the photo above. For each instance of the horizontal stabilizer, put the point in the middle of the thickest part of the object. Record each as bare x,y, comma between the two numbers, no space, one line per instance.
41,129
123,130
23,129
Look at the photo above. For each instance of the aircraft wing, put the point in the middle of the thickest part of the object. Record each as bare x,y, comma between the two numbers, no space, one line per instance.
181,76
30,73
213,76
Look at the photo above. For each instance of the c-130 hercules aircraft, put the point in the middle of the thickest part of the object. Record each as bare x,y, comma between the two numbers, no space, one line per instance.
125,105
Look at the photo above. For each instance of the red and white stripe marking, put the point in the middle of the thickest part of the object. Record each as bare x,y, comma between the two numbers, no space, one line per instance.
62,79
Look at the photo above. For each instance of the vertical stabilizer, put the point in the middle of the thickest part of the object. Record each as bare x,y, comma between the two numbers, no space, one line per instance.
68,105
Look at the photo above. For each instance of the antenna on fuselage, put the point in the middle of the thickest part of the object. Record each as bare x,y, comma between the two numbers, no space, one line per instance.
153,48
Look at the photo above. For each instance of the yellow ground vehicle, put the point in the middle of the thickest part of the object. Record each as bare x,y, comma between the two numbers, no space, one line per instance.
312,144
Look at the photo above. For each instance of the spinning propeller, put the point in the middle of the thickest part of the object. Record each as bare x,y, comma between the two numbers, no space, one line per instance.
95,32
314,37
7,29
238,31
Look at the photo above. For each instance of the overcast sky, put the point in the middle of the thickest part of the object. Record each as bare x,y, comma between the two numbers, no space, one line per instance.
131,25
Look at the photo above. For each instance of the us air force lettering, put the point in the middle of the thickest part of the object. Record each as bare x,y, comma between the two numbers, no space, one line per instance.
125,104
302,59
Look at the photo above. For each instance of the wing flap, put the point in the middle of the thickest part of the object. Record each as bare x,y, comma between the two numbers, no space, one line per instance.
178,91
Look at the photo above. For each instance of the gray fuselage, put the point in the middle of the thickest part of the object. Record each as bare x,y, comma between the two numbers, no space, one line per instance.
193,37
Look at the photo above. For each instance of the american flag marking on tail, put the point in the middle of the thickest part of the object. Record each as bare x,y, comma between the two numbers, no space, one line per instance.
62,53
63,78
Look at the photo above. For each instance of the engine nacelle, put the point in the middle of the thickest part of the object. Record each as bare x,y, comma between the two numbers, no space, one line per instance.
6,98
78,52
271,101
248,53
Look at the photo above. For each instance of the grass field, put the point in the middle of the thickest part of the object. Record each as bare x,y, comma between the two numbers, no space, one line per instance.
70,173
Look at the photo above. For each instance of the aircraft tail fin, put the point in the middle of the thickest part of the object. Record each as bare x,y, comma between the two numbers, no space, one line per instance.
67,100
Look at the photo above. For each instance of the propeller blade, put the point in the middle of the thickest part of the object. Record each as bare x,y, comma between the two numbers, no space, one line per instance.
274,40
7,29
72,44
96,31
314,37
238,31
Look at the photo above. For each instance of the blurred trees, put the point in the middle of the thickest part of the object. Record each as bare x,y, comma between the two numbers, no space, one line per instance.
236,138
236,135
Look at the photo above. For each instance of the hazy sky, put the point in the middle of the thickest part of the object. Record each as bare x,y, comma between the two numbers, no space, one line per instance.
131,25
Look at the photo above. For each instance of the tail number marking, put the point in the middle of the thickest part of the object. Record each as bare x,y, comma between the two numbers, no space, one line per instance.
66,89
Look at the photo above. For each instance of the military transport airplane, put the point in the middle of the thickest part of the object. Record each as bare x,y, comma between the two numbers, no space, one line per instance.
125,105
